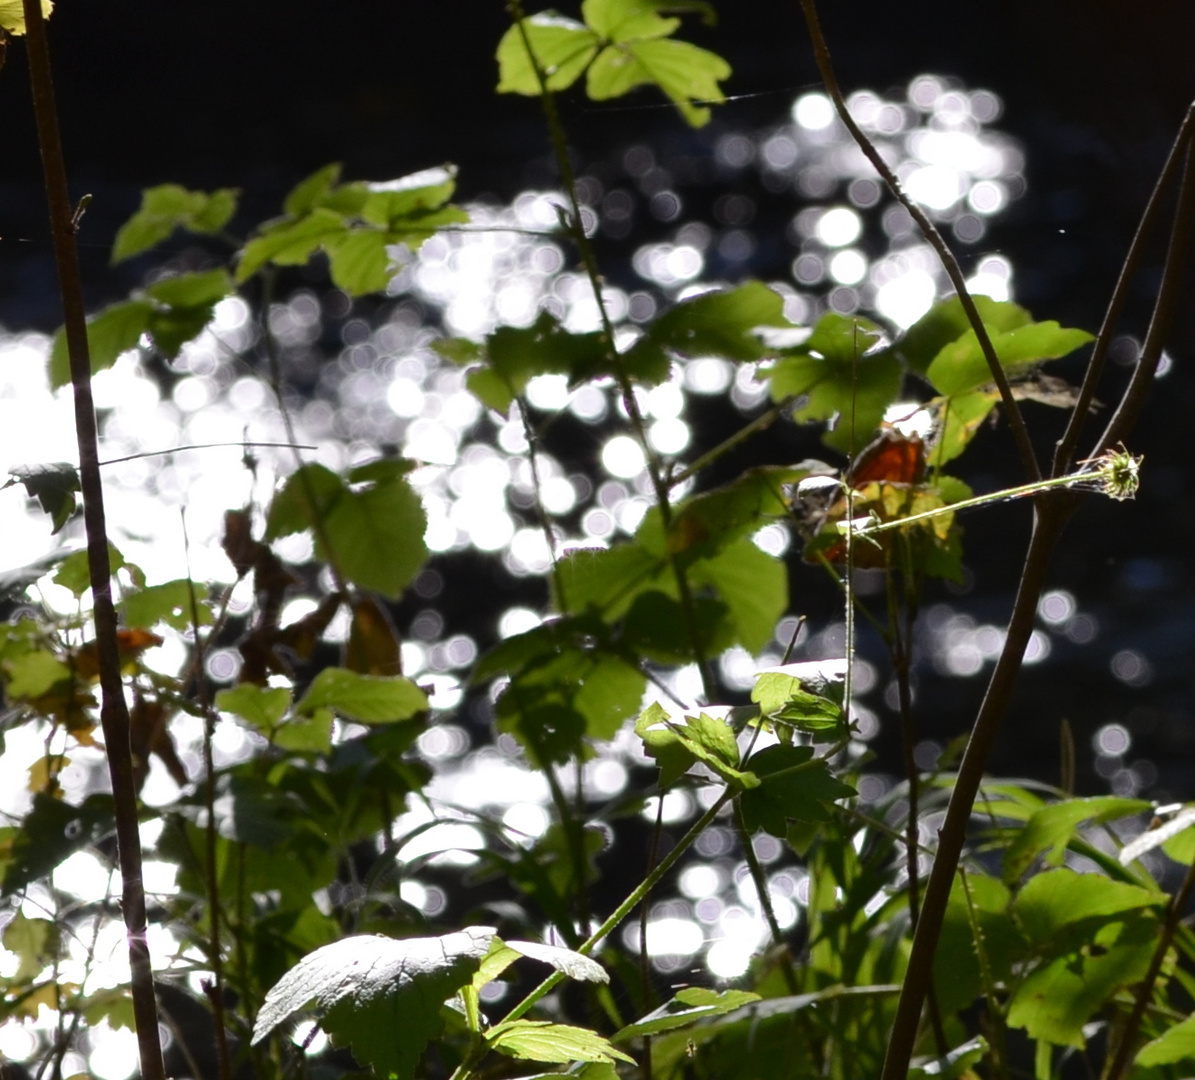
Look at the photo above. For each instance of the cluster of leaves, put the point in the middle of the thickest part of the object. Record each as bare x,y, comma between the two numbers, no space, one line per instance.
273,901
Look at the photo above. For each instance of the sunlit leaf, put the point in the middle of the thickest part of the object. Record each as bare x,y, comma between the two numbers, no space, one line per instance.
752,584
169,603
562,47
262,707
946,321
961,366
566,961
35,942
169,207
1056,899
954,1064
836,377
538,1040
792,786
12,15
686,1008
114,331
1175,1044
1051,828
369,699
33,673
381,995
75,571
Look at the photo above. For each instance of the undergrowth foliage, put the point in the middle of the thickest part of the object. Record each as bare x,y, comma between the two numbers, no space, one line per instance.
1030,945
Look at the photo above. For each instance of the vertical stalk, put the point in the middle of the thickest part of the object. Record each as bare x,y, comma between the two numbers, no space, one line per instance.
114,713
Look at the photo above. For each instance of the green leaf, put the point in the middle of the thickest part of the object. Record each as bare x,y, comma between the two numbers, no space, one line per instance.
782,698
36,943
1176,1044
720,323
306,735
791,786
606,579
369,699
360,263
946,321
960,366
114,331
562,46
201,289
261,706
33,673
685,1009
311,192
959,420
75,572
402,203
837,377
51,831
12,15
169,603
1052,827
53,485
290,243
687,74
169,207
1057,1000
1052,901
512,356
955,1063
661,742
539,1040
752,584
383,996
706,523
373,520
566,961
658,627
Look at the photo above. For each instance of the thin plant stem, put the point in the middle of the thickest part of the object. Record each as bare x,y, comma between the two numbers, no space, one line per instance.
765,897
1126,1044
205,446
1064,453
545,524
114,714
214,990
761,423
825,67
575,225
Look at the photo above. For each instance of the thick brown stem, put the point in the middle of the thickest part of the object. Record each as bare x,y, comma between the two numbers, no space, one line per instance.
1050,516
114,714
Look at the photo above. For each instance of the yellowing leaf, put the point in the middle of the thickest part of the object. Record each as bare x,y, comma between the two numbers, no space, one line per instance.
12,15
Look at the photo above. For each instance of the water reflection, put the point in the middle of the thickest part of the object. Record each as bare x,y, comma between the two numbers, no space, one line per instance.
354,384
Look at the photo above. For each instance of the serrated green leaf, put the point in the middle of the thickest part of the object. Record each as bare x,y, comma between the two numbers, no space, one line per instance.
566,961
960,366
114,331
290,243
33,673
395,204
686,1008
1056,899
306,734
661,742
1057,1000
383,996
75,572
606,579
374,522
359,262
959,420
1051,828
113,1004
368,699
539,1040
720,323
563,48
36,943
782,698
169,603
192,290
261,706
792,786
946,321
169,207
687,74
835,376
310,192
752,584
